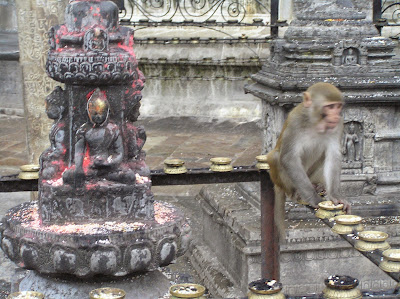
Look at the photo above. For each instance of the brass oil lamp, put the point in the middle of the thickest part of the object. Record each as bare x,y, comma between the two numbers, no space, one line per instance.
107,293
372,240
328,210
26,295
391,260
262,162
347,224
187,290
341,287
29,172
265,289
174,166
221,164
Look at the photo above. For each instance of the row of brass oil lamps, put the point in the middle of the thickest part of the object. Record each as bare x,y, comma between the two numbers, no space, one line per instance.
218,164
367,240
171,166
336,287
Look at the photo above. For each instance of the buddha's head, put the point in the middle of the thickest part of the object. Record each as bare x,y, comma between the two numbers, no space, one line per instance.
98,108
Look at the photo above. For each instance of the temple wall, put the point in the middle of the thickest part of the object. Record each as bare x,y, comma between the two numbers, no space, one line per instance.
200,81
35,18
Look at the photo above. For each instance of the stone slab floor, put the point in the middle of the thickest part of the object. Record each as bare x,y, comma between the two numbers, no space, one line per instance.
184,138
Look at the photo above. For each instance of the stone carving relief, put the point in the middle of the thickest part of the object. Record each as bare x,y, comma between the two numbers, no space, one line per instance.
84,65
368,152
352,144
358,142
95,39
51,159
276,51
351,149
351,56
95,198
108,161
98,141
350,53
370,185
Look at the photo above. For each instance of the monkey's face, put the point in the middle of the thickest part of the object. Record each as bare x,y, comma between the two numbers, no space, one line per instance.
331,115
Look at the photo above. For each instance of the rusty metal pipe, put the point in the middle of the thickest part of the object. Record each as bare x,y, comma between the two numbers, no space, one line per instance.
269,232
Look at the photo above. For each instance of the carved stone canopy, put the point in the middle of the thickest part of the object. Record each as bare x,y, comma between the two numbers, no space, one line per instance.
327,42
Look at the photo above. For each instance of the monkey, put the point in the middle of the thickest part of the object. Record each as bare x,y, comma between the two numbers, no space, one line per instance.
308,151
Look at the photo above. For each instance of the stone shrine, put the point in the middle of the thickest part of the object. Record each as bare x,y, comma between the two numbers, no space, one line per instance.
96,214
328,41
332,42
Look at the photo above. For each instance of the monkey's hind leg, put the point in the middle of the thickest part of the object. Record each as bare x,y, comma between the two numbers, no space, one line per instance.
279,212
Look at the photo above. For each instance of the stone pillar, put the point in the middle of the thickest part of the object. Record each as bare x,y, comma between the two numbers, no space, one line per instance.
8,19
35,18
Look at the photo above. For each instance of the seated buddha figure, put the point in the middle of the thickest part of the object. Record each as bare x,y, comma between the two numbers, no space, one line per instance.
98,146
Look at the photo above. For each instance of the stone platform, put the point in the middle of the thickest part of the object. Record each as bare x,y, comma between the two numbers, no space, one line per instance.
310,253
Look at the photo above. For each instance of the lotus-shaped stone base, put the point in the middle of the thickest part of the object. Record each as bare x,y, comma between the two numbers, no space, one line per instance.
109,248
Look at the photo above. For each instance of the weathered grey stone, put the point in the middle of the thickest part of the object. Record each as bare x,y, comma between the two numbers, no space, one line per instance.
8,17
34,21
105,250
310,253
11,100
319,45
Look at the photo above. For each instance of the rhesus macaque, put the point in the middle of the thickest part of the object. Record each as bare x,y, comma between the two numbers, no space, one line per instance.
308,151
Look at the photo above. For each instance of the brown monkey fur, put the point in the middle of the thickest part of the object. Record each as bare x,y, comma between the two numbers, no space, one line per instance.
308,151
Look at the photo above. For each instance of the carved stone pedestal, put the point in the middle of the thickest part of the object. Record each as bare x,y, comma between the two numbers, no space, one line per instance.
113,248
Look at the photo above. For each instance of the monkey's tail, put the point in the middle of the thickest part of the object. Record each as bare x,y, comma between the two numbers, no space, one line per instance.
279,213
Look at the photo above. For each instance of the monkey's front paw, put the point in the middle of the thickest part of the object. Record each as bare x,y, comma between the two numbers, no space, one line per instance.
346,206
314,202
345,203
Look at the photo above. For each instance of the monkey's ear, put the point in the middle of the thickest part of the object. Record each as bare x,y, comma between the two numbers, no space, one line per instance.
307,101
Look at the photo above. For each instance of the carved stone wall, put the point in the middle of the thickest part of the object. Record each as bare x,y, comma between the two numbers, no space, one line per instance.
35,18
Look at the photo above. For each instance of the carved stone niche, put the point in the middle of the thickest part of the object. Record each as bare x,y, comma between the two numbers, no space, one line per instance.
350,53
352,145
358,174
